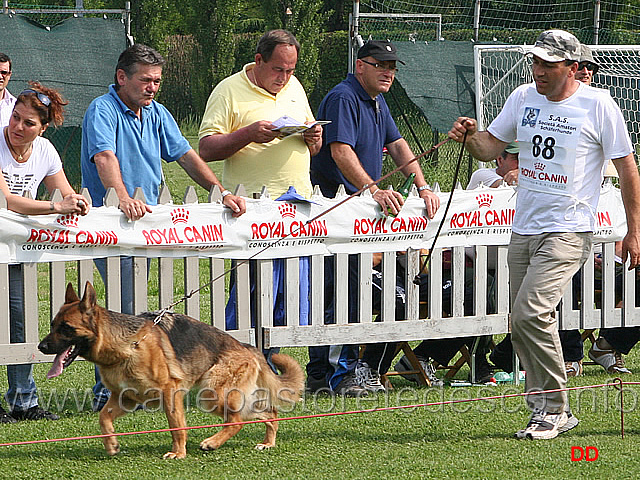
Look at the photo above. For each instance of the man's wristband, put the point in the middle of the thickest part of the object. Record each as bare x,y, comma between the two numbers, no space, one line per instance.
51,206
423,187
225,193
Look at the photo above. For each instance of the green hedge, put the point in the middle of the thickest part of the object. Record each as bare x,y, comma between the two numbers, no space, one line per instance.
180,74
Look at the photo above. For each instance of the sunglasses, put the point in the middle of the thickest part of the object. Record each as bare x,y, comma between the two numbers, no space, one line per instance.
46,101
380,67
592,67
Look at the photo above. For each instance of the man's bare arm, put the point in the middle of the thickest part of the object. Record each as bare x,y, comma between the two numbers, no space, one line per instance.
350,166
108,168
630,189
481,145
402,155
200,172
220,146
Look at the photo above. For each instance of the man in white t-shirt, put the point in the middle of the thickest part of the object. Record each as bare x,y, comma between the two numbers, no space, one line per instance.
7,101
566,131
506,170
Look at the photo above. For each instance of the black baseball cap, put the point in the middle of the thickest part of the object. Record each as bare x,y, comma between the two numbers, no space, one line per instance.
380,50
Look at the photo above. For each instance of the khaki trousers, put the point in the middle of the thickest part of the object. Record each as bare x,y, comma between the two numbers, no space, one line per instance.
540,268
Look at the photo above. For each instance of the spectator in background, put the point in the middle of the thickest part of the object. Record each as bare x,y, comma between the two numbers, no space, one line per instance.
237,123
26,160
237,129
6,99
506,170
612,342
351,154
442,351
125,135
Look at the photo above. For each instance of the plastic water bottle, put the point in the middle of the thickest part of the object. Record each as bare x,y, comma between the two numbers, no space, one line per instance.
504,377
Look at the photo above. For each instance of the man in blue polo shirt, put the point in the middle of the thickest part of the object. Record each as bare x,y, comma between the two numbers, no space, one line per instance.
125,135
351,154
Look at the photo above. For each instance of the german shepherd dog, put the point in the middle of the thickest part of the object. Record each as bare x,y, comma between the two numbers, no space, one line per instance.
143,363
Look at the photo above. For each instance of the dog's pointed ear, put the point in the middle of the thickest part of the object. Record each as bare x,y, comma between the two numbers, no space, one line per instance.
70,295
89,299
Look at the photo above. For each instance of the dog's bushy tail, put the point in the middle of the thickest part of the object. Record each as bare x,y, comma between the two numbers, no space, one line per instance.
287,387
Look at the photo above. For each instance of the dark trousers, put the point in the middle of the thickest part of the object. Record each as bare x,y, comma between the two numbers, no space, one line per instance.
622,339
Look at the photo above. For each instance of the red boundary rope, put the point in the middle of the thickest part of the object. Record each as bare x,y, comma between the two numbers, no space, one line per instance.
617,382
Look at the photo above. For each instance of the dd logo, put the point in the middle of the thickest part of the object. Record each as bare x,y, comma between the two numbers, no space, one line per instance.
589,454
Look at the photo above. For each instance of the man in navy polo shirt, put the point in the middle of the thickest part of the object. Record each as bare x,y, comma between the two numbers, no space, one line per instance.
351,154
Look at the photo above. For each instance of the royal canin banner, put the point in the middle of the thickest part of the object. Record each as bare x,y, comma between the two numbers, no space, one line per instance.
275,229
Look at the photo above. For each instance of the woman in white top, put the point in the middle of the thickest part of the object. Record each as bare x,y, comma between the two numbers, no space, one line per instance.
26,160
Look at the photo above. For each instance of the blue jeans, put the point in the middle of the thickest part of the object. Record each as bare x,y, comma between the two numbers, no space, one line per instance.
231,321
22,393
101,393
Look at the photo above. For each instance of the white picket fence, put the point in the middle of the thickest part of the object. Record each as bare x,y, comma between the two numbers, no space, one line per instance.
45,284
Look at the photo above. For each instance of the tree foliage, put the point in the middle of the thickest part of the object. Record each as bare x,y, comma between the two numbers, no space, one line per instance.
303,18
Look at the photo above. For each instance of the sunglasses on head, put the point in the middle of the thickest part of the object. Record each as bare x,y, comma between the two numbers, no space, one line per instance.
46,101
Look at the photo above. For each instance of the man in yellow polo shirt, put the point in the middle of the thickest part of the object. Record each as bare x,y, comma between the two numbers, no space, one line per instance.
237,124
237,127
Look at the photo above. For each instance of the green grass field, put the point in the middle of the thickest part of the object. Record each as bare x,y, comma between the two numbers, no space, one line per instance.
468,440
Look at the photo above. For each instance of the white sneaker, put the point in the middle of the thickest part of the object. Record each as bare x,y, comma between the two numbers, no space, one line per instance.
572,422
544,426
404,365
368,378
609,359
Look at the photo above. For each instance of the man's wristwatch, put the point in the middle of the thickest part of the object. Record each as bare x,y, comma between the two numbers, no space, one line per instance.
423,187
225,193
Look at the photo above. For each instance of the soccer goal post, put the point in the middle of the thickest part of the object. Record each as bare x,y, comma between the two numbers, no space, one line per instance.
499,69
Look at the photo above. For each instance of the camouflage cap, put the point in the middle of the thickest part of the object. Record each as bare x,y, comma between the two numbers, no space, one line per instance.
557,46
586,57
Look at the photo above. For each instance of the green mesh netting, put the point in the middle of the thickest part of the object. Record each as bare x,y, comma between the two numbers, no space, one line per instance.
439,78
76,57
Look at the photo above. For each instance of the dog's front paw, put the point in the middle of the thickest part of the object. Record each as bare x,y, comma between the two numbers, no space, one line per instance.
208,445
263,446
172,455
111,446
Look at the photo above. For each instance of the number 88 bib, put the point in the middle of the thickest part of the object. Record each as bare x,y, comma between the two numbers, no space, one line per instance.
548,136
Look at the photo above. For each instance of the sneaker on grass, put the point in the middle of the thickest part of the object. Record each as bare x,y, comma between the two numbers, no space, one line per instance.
5,417
573,369
544,425
348,387
608,358
572,422
34,413
404,365
484,372
368,378
317,385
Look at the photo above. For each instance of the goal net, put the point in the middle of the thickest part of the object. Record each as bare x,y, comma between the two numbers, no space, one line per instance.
499,69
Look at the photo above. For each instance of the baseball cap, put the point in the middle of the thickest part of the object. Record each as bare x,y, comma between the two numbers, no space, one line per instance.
380,50
512,148
557,46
